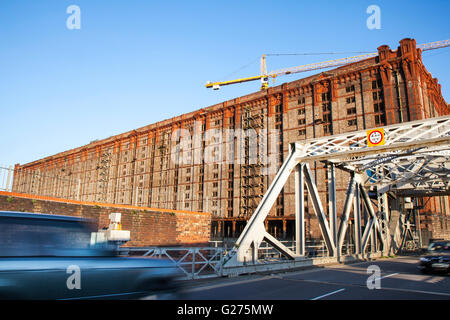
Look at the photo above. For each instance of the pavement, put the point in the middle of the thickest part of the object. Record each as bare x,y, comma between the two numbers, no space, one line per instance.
398,279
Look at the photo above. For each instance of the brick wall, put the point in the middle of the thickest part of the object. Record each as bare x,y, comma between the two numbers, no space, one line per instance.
434,226
148,226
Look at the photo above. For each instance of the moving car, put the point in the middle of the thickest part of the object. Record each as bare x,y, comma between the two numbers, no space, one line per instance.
57,257
437,258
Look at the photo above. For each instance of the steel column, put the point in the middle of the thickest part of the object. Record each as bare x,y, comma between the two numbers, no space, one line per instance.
299,211
345,215
357,220
332,202
317,204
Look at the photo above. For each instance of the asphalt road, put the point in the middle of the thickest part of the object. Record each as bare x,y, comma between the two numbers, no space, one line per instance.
399,280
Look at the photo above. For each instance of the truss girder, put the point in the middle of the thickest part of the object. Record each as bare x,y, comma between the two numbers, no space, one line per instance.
414,157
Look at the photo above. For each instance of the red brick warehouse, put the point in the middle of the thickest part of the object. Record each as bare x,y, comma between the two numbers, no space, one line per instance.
143,168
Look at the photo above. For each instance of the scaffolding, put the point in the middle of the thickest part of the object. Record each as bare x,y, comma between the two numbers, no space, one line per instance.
103,177
252,181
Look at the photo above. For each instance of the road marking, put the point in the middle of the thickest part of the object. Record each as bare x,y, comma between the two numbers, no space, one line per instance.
105,295
389,275
356,268
434,280
226,284
280,277
383,288
418,291
237,282
328,294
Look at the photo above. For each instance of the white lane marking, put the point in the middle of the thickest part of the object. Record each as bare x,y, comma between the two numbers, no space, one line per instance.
328,294
418,291
226,284
261,278
389,275
383,288
434,280
232,283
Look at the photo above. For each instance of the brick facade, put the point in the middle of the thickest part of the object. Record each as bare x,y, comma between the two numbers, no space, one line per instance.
142,167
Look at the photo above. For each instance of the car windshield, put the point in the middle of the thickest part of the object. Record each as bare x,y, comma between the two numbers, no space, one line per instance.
42,237
440,246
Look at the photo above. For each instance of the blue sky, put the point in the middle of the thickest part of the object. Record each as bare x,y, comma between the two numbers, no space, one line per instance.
134,63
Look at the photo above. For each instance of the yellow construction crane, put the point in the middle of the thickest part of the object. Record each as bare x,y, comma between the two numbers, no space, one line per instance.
264,76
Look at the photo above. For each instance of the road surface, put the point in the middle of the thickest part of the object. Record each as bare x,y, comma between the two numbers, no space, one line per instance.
399,279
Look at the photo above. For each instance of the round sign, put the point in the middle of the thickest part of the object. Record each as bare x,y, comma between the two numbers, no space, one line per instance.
375,137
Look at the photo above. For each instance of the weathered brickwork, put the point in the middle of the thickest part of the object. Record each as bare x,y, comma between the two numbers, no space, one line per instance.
142,167
148,226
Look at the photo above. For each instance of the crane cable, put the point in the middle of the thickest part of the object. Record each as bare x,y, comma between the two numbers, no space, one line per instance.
289,54
316,53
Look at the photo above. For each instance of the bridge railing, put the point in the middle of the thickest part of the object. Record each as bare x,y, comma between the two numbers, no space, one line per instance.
207,262
193,263
314,249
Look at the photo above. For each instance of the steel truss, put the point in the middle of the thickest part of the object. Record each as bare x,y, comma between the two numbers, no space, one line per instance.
412,161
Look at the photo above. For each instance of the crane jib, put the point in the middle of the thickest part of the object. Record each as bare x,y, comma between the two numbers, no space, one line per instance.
316,66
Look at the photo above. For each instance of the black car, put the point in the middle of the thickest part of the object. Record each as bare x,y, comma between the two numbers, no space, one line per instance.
437,258
56,257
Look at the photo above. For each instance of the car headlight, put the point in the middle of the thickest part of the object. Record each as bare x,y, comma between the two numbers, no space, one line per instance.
424,259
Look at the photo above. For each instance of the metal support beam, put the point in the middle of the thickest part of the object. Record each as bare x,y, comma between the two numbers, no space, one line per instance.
254,232
367,233
346,214
357,220
332,202
279,246
323,223
367,202
299,211
414,158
